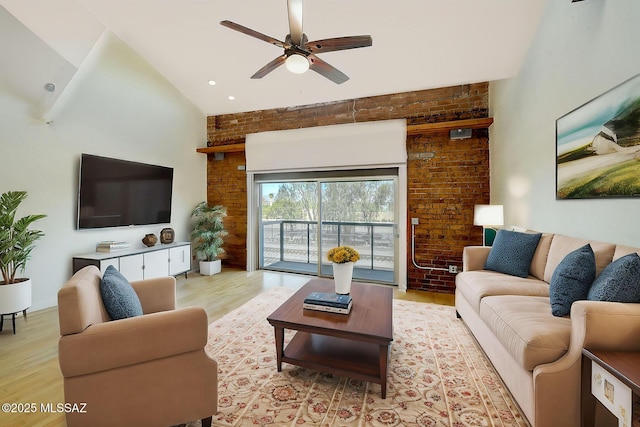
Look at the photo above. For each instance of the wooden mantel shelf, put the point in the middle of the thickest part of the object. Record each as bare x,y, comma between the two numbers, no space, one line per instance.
454,124
229,148
411,130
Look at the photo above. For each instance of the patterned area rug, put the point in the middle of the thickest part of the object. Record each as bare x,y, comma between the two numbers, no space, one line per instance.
437,376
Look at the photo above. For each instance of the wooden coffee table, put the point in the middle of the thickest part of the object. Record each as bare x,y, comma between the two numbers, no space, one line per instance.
354,345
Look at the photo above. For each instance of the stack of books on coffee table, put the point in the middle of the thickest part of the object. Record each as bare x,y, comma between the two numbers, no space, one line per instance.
324,301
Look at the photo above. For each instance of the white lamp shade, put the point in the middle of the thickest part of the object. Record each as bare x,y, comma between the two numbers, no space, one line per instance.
297,63
488,215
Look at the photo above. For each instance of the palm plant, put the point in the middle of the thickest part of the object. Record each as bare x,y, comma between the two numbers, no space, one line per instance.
16,240
208,230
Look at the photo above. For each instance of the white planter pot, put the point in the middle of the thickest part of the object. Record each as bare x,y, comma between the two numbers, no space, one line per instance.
15,297
342,274
208,268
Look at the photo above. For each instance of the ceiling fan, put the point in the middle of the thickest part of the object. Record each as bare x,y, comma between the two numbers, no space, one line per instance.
299,53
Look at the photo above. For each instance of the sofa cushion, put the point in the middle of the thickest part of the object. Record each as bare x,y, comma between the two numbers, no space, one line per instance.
561,245
539,260
512,252
475,285
118,297
622,250
571,280
619,282
525,327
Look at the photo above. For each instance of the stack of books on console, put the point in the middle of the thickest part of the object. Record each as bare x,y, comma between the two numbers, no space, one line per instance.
112,246
333,303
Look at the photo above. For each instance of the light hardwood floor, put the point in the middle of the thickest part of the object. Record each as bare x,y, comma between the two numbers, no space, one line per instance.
29,370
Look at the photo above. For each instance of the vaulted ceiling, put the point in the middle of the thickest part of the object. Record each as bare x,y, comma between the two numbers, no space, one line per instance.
417,44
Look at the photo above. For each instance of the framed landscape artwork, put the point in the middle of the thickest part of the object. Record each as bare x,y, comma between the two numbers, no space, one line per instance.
598,146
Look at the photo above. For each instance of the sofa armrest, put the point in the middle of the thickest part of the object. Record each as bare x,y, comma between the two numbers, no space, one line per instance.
157,294
595,325
600,325
134,340
474,257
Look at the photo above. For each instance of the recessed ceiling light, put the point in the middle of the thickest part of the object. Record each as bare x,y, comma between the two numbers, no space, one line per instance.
231,97
212,83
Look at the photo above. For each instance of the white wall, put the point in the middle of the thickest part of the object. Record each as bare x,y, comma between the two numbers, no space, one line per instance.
116,106
581,50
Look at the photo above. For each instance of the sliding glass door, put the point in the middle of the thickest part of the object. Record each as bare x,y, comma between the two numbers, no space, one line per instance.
360,214
288,226
300,220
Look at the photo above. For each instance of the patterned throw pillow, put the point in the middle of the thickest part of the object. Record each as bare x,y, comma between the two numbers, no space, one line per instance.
571,280
619,281
118,297
512,252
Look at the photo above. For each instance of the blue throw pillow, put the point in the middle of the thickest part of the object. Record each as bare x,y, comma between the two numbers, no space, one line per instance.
512,252
619,281
118,296
571,280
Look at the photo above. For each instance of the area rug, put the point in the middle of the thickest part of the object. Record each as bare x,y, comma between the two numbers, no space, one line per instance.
437,376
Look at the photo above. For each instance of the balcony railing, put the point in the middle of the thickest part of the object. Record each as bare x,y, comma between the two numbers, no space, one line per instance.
292,245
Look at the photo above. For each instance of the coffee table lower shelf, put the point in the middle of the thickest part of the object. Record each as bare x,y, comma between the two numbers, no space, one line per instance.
339,356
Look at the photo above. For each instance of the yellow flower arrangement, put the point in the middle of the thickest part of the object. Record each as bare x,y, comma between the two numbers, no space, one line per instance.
343,254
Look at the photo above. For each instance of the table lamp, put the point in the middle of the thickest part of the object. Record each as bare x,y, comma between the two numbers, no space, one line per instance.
489,217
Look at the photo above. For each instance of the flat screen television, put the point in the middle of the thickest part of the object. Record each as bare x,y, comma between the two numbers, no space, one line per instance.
116,193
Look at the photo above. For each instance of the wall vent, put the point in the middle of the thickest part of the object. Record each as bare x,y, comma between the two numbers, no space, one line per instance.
460,134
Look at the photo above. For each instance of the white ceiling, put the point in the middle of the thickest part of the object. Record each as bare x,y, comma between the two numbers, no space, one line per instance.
417,44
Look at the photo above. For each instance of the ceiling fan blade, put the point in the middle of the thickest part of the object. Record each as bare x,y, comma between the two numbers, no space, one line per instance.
326,70
253,33
294,7
338,43
269,67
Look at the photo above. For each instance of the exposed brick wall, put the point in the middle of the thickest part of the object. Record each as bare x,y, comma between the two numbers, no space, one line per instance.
427,106
227,186
446,178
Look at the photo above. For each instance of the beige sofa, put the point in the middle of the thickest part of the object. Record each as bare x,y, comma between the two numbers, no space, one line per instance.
538,355
149,370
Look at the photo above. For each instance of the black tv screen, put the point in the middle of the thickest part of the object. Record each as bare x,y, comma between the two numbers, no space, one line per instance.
115,193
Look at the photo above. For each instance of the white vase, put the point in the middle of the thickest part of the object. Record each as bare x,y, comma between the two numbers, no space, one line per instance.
208,268
342,275
16,297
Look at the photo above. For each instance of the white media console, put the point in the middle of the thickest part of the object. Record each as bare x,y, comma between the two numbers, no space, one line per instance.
169,259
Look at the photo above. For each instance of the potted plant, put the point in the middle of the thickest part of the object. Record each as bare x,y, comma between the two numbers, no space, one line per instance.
208,232
343,259
16,244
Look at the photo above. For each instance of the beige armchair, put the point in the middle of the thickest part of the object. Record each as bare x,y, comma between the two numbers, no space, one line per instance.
149,370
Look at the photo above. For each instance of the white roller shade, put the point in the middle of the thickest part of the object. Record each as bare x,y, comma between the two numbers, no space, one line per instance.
352,145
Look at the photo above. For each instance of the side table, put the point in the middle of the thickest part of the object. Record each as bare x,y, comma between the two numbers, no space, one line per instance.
610,379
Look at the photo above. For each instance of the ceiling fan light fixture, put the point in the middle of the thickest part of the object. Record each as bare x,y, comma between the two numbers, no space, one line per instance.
297,64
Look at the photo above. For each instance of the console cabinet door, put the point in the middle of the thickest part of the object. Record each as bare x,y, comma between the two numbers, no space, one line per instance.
131,267
179,260
107,262
142,263
156,264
